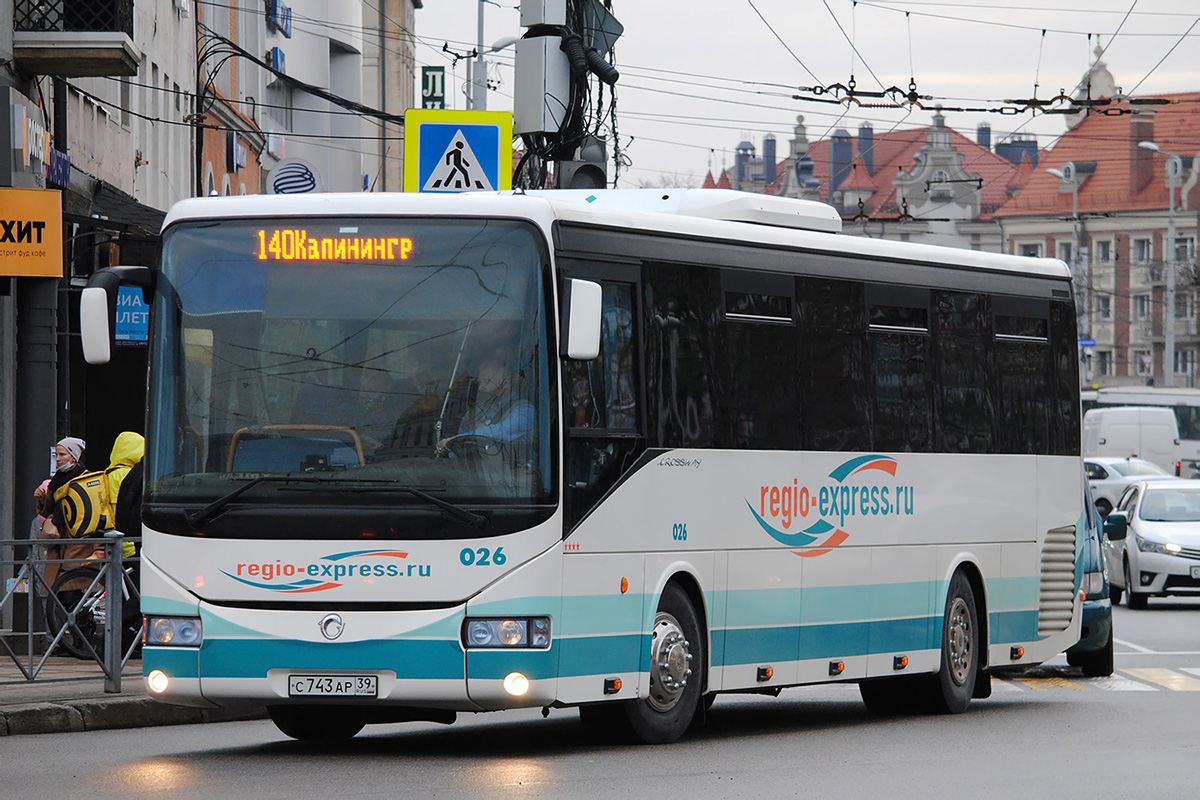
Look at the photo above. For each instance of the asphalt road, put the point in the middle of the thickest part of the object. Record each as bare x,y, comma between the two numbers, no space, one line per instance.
1049,732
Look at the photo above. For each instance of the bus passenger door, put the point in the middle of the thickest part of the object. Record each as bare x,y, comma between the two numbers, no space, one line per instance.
602,618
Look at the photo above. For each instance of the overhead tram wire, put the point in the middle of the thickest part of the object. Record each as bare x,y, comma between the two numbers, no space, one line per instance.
1166,55
782,42
997,24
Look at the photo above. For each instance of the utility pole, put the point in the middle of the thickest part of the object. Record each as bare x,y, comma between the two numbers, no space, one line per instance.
1174,167
479,74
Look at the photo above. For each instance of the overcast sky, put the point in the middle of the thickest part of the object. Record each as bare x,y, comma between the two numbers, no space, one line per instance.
699,76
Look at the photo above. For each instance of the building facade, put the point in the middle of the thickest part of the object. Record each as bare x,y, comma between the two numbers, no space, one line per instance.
1110,191
930,185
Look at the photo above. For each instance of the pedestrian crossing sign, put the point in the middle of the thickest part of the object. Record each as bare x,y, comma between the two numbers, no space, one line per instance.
457,151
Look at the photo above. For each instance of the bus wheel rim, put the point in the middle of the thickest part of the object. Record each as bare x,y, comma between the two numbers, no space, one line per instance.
670,663
958,641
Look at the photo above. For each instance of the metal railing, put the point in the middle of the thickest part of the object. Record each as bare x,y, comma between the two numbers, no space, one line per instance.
76,16
27,564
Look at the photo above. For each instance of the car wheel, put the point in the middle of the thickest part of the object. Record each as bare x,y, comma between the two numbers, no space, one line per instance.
1100,663
1104,507
1136,601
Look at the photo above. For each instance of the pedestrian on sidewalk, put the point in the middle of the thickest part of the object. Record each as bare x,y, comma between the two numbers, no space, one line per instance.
68,464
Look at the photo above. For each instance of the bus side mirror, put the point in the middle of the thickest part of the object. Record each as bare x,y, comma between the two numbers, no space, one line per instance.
1116,526
581,326
98,308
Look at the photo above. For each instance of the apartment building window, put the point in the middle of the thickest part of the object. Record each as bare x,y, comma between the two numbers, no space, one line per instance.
1144,360
1064,251
1185,305
1103,251
1185,248
1185,362
1030,250
1142,251
1104,307
1141,305
1105,363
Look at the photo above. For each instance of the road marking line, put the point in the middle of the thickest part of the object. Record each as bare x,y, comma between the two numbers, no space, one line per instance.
1169,678
1192,670
1116,683
1003,685
1049,684
1139,648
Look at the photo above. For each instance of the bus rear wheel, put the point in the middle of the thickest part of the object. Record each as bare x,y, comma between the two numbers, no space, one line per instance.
311,723
952,687
677,671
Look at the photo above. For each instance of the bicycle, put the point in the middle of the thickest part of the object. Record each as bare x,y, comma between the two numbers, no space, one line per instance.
82,590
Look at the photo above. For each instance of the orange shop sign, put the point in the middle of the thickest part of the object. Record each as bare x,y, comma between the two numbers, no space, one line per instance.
31,243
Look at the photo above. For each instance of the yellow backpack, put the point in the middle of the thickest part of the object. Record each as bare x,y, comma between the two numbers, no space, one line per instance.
85,504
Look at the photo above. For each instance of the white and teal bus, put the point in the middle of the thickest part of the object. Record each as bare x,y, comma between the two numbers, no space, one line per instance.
752,454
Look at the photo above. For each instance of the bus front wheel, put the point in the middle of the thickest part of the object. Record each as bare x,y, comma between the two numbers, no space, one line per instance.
309,723
677,669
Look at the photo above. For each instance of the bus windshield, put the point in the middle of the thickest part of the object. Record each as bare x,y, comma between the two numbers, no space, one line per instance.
363,352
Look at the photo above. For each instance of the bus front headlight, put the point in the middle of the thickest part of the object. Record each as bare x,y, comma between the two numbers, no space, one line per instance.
173,632
482,632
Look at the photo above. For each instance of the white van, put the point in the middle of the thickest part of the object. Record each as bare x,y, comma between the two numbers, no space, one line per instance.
1142,431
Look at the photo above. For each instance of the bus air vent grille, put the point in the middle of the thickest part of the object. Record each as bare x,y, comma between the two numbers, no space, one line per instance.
1056,598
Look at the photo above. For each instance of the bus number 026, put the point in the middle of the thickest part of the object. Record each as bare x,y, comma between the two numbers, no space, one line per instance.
679,531
483,557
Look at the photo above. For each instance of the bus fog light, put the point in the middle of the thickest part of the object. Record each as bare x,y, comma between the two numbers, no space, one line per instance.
157,681
516,684
174,632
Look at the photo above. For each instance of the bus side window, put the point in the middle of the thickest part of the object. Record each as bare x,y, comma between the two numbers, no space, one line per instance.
602,408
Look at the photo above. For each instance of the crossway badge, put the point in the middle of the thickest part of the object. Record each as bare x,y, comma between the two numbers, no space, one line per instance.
458,170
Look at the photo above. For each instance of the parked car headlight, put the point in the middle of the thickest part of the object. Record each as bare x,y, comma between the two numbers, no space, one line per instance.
1151,546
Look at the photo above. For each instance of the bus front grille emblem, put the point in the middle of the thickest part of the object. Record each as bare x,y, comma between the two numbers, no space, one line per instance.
331,626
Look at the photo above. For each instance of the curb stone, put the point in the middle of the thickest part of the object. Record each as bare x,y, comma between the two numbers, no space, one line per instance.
107,714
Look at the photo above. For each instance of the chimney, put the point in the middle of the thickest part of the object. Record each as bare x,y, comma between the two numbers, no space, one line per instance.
983,135
1141,162
866,146
768,160
743,154
840,154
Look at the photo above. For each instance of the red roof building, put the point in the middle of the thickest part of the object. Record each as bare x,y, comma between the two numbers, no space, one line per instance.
1105,211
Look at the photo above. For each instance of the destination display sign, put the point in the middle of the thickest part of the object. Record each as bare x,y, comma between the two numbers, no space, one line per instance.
297,244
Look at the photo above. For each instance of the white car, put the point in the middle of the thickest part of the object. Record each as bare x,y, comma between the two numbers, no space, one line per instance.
1109,476
1152,544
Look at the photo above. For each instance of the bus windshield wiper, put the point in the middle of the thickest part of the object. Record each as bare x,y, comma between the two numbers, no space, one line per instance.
211,510
459,513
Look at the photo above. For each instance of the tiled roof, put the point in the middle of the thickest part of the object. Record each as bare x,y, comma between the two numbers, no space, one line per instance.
709,183
724,183
895,151
859,178
1110,142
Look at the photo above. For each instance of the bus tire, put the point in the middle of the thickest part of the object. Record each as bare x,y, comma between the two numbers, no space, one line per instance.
313,723
677,671
954,684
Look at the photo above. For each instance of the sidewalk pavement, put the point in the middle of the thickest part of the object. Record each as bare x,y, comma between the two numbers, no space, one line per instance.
69,695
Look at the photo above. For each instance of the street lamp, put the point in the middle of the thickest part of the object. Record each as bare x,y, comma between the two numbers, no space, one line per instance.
1174,167
477,69
1069,175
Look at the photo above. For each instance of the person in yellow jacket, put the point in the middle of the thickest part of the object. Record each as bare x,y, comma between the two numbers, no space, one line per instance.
127,450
